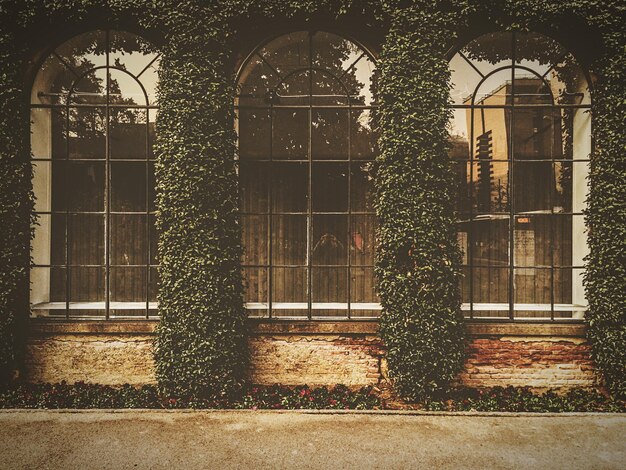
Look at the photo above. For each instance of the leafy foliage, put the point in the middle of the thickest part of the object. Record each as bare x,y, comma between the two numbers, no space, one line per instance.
418,257
276,397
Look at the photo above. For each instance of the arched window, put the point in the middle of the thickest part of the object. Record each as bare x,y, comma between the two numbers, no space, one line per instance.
521,144
306,143
92,120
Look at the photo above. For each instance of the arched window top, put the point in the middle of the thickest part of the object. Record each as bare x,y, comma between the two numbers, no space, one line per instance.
75,72
523,68
307,67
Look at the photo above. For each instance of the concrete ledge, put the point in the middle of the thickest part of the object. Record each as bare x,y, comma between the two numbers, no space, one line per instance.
279,327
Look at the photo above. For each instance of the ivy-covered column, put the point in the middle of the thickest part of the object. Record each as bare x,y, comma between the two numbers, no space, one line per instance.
418,258
606,214
201,347
15,206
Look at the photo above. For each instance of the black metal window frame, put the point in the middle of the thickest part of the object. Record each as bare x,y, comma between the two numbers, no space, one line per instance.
272,106
149,213
512,214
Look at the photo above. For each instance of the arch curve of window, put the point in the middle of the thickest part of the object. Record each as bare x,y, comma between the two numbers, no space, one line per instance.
93,110
520,144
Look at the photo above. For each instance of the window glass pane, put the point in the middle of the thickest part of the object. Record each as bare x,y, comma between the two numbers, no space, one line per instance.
533,186
289,239
530,89
129,285
255,281
491,131
362,291
328,90
330,187
330,285
128,133
255,81
362,240
254,186
255,240
125,89
86,239
290,187
533,240
491,285
128,186
78,186
489,238
289,286
532,287
293,90
254,133
362,186
40,133
330,134
53,82
87,133
129,242
537,134
361,81
90,89
363,143
495,90
86,285
290,134
490,186
568,82
329,245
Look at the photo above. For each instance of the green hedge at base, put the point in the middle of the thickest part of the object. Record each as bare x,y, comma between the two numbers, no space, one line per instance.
278,397
201,346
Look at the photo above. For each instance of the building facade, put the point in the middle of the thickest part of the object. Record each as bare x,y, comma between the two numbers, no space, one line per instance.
305,101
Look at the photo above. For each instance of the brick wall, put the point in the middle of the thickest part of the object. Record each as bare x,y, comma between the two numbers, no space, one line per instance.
539,362
315,359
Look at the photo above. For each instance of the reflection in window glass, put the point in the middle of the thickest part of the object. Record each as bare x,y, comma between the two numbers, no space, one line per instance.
305,107
92,133
521,160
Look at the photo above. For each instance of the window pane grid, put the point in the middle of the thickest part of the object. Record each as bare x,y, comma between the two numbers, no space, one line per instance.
117,283
319,138
538,213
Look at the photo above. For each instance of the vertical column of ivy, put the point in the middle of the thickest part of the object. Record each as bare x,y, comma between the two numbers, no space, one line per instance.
15,206
606,214
418,257
201,346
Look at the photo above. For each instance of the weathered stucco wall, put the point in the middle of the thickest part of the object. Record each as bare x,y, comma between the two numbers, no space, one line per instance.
315,359
106,359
